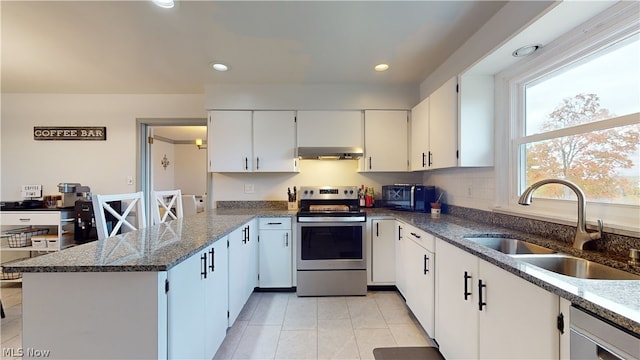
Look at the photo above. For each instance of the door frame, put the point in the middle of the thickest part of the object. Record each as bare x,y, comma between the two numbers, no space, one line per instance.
145,153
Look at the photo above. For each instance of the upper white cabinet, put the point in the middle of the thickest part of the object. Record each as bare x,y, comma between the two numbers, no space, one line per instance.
330,128
420,136
475,106
454,125
443,126
229,141
274,141
244,141
385,139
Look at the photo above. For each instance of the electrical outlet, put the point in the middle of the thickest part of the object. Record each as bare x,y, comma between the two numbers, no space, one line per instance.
129,180
249,189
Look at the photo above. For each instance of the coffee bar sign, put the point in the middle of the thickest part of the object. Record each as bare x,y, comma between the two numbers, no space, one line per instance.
69,133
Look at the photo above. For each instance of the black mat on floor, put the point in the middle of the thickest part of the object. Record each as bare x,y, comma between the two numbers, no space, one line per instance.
407,353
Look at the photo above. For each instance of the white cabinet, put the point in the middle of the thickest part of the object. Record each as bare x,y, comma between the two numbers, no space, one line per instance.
382,266
385,136
330,128
420,136
244,141
243,268
274,136
275,255
443,126
197,304
485,312
475,120
401,253
42,230
420,260
229,141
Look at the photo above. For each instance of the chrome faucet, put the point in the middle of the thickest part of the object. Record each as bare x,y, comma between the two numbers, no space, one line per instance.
582,235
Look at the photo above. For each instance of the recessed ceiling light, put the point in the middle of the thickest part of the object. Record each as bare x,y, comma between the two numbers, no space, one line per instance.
381,67
167,4
526,50
219,66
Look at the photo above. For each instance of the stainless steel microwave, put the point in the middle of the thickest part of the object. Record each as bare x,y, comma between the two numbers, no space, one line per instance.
408,197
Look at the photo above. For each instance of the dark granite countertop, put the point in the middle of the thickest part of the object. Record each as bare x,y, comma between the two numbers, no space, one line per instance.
160,247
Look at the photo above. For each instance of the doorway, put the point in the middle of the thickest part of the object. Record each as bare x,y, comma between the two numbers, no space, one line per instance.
169,158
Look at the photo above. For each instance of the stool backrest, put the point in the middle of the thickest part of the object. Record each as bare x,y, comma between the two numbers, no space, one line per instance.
190,204
167,205
129,202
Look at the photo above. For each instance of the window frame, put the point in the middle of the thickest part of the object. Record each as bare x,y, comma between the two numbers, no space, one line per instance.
612,25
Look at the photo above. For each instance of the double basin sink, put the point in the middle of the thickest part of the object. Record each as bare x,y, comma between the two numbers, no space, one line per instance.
548,259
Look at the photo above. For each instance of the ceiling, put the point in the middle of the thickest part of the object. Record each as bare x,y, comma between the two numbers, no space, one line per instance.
128,47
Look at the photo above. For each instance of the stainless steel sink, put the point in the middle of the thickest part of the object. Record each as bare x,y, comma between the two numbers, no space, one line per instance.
576,267
509,245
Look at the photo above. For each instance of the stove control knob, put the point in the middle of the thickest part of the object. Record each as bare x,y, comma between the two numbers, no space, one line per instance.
306,192
345,192
351,192
311,192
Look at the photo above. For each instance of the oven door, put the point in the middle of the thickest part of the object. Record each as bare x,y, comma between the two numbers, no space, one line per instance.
331,246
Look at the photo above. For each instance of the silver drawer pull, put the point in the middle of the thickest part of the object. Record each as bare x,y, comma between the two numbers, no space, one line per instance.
274,223
25,219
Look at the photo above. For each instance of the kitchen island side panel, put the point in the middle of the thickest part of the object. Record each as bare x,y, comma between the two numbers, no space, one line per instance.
93,315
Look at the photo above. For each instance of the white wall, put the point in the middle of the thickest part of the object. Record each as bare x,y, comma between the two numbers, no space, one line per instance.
273,186
164,178
191,169
102,165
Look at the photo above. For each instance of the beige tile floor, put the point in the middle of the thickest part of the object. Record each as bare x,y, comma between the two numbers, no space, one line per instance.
284,326
11,326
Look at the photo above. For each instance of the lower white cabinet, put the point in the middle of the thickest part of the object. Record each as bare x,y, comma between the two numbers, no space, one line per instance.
382,265
421,284
485,312
243,267
197,304
417,264
275,253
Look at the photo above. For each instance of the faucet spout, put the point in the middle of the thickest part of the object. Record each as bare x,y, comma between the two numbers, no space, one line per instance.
582,235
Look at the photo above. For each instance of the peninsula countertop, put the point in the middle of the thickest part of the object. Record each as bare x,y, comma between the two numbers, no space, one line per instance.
163,246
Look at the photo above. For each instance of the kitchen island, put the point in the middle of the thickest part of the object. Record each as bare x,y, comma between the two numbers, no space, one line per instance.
110,299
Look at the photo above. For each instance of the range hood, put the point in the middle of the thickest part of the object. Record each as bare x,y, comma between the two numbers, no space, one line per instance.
330,153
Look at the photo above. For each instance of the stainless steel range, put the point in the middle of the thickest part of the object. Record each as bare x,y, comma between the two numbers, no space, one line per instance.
330,242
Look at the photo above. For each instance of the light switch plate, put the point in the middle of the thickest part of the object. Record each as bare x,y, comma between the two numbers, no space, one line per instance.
249,189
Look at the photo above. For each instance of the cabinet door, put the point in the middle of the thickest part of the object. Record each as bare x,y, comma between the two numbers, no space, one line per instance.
420,136
330,128
457,315
238,263
383,258
275,259
216,298
443,126
401,265
519,318
186,309
274,136
243,268
229,145
385,140
421,285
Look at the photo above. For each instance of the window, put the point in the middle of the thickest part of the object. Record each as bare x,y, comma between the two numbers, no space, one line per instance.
573,112
581,124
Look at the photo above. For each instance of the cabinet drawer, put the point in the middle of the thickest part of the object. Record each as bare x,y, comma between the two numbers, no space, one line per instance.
279,223
422,238
28,218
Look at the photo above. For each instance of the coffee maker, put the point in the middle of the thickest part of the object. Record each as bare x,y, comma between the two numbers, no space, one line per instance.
71,192
85,223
